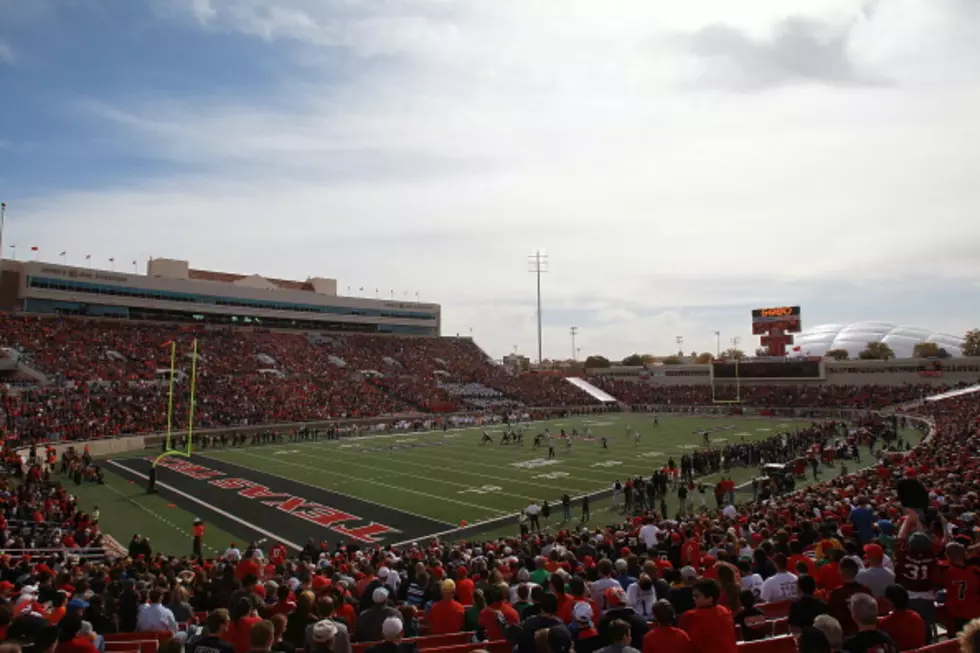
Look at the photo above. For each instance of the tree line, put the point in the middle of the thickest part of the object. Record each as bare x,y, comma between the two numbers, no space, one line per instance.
873,351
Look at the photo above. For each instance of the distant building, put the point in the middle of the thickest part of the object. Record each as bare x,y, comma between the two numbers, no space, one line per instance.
173,291
855,336
517,363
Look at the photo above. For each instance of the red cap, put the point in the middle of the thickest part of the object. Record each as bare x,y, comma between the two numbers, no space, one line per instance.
615,597
874,551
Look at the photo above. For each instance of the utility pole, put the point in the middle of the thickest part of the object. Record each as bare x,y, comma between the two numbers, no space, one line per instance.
573,331
538,264
718,344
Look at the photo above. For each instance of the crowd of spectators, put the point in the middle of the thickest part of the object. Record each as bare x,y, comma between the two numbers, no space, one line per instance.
108,378
829,558
865,397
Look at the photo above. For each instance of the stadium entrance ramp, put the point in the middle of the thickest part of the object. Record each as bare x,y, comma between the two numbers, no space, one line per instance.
591,390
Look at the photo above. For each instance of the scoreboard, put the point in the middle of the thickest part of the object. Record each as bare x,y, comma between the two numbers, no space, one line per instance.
785,319
792,369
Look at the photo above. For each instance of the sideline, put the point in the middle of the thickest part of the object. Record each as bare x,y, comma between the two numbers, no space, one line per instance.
208,506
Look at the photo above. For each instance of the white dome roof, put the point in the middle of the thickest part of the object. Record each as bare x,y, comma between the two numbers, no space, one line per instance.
854,337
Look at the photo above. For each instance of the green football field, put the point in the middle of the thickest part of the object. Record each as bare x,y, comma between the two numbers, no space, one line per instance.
446,477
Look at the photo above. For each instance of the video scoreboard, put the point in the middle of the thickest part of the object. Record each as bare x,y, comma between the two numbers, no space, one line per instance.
783,318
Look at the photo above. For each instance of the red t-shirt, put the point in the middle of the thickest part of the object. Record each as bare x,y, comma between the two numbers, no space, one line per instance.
660,639
77,645
712,630
488,620
465,588
237,633
962,586
446,617
906,628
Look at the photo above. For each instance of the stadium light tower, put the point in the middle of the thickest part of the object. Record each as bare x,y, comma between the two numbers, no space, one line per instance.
3,220
718,344
573,331
538,264
735,341
680,345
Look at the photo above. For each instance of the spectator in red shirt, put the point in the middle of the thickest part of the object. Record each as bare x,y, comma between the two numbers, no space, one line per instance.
243,617
664,636
446,616
497,607
710,626
465,588
903,625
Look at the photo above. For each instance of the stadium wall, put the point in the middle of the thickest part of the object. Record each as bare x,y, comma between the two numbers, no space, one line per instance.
857,372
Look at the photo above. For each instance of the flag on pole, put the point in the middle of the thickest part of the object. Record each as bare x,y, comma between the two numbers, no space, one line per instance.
797,348
112,260
35,248
63,253
88,257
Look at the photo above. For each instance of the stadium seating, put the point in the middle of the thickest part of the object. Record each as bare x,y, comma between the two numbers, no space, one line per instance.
109,378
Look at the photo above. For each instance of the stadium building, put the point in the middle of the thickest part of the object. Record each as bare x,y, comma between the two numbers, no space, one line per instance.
172,291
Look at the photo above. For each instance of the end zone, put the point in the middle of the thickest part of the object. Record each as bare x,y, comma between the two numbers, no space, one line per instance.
276,507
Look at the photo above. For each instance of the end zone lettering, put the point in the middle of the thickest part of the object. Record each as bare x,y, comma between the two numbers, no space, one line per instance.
299,507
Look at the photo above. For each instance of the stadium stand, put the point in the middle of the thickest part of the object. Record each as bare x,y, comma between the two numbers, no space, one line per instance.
580,581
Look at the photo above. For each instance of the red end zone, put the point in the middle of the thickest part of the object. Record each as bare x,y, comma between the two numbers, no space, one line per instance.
277,507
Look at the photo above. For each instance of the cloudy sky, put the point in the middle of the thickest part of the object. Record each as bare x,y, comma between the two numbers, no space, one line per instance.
680,163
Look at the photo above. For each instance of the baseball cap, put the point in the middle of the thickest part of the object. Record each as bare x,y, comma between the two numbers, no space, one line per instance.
448,585
324,631
688,572
391,628
380,595
582,611
615,597
874,551
383,573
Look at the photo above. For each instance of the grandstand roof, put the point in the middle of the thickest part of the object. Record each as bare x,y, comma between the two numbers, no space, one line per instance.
855,336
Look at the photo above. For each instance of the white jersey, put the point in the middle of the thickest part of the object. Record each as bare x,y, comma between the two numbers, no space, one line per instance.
640,600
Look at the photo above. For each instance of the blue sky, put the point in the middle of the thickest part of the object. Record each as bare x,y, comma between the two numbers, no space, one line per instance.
680,164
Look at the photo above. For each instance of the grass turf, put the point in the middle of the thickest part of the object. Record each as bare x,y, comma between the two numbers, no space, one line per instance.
446,476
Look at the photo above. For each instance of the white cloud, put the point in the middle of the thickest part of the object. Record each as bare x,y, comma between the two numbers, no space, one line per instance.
468,133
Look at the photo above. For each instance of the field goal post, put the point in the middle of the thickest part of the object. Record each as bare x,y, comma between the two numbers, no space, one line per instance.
714,389
168,449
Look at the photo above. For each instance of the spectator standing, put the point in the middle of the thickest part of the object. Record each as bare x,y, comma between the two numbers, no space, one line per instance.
710,626
904,626
874,576
782,585
664,636
838,604
864,612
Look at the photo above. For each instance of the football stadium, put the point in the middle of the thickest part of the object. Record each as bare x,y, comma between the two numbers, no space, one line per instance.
193,414
751,419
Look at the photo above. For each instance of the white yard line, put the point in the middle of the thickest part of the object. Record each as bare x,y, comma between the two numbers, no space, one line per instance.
493,477
371,482
210,507
324,489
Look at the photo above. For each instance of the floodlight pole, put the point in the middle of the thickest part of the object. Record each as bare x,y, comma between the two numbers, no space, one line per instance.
3,220
680,345
573,331
539,265
718,344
